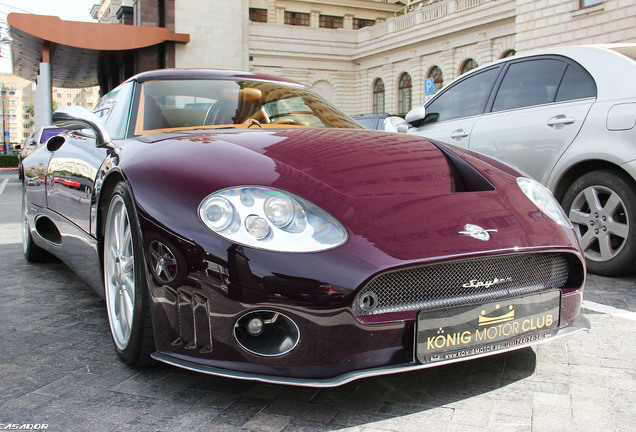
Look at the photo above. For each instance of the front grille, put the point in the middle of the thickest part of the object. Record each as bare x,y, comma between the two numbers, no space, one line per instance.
462,282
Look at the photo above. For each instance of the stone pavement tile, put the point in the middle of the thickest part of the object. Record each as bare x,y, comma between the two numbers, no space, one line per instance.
107,398
351,418
262,422
299,424
471,417
506,406
334,397
551,412
592,416
29,401
217,399
510,423
363,401
456,427
91,425
437,419
623,406
193,419
238,413
302,409
482,402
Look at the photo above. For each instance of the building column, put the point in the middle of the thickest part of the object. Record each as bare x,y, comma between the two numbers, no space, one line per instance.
314,19
43,103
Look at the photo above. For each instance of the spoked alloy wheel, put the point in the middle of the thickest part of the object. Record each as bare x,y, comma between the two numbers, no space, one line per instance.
119,272
602,207
125,284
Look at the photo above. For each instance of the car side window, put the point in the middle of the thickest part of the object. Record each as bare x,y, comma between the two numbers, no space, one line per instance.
114,108
529,83
464,99
576,84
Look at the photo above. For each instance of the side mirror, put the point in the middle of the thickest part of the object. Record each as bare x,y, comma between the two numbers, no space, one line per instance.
416,115
395,124
77,118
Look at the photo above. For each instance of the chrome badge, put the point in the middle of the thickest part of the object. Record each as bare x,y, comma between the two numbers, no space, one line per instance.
477,232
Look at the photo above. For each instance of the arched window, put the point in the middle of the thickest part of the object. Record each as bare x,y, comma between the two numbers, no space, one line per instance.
404,94
509,53
469,64
378,96
438,77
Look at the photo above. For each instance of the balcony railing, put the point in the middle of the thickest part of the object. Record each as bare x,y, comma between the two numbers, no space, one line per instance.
422,12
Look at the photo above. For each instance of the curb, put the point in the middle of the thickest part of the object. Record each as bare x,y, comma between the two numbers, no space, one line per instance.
8,169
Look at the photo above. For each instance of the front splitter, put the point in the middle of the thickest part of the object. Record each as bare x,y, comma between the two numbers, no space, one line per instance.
580,324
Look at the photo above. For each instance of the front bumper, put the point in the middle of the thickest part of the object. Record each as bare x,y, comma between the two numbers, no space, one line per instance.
581,323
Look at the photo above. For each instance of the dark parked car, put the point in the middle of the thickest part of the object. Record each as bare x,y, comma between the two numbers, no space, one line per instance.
372,121
567,117
237,224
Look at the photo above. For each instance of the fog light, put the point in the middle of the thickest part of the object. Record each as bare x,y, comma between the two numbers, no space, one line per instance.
266,333
255,326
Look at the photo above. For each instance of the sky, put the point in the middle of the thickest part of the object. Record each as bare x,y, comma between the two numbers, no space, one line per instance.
70,10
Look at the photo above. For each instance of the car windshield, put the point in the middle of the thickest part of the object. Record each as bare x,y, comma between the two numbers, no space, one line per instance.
226,103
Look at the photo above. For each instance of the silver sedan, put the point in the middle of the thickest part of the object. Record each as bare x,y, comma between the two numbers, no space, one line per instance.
565,116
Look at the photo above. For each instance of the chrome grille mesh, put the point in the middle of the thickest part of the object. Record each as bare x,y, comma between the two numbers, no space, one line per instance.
461,282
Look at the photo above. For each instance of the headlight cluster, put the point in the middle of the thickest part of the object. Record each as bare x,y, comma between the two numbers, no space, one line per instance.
267,218
542,198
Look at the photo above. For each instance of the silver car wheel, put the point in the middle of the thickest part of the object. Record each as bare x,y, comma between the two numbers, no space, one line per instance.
601,222
119,272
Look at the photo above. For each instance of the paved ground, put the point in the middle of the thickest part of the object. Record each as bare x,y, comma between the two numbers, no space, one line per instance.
57,367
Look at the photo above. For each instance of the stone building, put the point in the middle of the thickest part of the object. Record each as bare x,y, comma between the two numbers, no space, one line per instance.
373,56
17,95
363,55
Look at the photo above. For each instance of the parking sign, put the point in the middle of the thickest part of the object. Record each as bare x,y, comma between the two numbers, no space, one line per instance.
429,86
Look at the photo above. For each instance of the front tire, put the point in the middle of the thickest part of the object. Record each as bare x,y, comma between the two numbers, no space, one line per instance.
125,285
602,208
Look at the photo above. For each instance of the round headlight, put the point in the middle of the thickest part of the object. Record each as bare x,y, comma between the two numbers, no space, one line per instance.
279,210
218,213
257,227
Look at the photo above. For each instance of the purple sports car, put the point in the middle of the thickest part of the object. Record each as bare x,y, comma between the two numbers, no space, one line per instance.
237,224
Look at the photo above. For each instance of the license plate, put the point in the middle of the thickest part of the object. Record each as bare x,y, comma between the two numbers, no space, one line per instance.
462,331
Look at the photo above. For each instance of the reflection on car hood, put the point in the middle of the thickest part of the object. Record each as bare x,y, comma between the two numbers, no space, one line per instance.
354,163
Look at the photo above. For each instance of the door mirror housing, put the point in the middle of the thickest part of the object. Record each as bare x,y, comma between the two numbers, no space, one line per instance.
77,118
415,116
395,124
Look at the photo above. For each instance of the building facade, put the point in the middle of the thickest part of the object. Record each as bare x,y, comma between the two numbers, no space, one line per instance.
17,98
370,55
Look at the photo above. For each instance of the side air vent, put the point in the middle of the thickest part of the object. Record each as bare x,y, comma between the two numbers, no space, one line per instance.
47,230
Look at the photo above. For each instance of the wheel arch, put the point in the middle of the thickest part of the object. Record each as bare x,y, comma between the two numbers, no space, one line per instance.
583,167
109,183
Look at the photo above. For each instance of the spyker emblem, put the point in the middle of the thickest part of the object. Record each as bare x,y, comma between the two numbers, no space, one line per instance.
477,232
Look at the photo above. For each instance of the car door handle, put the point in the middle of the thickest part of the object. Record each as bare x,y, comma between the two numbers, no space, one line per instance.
560,120
459,134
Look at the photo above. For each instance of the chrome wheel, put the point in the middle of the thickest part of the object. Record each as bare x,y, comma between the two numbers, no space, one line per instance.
601,222
119,272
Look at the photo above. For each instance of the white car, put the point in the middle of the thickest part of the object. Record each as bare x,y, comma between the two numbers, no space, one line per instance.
565,116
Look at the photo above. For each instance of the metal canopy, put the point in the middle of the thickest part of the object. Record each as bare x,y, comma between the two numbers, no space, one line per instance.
74,48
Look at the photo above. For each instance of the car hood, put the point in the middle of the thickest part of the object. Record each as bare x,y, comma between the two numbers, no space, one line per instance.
353,163
396,194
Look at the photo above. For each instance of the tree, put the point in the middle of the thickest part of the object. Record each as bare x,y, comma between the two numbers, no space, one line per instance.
30,110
